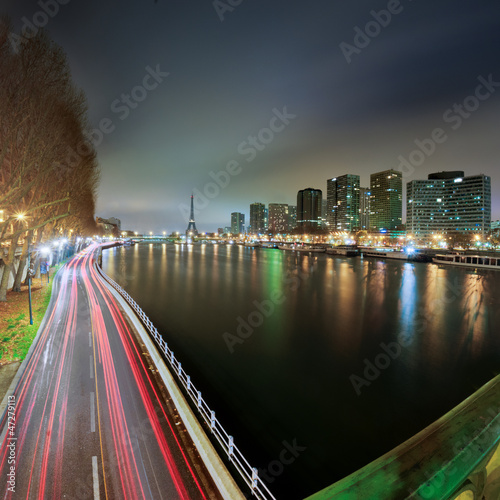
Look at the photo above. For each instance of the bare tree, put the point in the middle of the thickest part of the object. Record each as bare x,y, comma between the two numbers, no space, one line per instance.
49,171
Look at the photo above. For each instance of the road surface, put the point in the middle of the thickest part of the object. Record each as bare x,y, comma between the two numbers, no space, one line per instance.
88,419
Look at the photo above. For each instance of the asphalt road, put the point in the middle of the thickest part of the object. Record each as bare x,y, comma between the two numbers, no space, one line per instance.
88,419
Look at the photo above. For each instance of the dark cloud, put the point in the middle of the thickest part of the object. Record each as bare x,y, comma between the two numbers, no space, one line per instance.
227,77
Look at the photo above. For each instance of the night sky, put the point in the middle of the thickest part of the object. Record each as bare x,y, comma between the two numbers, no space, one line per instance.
339,108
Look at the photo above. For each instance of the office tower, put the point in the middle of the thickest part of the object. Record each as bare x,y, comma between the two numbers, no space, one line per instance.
343,203
258,218
278,218
324,213
309,210
292,217
364,208
237,223
447,203
386,200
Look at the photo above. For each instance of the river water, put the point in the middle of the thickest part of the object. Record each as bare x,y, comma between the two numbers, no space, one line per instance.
317,364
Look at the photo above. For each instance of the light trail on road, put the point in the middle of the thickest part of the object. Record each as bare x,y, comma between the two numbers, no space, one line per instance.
99,431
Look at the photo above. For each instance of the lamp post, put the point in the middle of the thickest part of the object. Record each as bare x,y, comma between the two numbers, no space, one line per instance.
31,274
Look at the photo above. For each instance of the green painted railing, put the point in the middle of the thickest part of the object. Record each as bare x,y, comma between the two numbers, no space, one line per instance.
455,458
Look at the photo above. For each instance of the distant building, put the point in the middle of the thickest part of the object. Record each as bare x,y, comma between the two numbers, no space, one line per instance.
309,210
343,203
495,225
258,218
220,231
386,200
237,223
447,203
364,208
109,227
227,230
278,218
292,217
116,222
324,213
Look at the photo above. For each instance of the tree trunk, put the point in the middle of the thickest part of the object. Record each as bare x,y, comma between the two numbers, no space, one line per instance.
22,264
9,262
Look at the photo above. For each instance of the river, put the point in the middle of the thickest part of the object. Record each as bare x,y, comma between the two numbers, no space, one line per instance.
317,364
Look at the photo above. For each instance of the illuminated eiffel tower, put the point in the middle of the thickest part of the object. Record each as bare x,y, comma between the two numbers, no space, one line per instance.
191,229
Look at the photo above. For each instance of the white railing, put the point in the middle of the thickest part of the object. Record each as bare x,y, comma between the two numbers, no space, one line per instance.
247,472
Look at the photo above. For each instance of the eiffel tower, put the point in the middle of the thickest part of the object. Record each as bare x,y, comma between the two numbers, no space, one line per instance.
191,229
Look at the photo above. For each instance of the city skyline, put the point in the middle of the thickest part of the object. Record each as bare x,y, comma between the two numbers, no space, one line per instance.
189,93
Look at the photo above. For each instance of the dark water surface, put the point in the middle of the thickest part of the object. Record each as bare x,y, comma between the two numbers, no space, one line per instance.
295,380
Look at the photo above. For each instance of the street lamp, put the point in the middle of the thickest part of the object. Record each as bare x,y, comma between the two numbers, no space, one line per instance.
45,251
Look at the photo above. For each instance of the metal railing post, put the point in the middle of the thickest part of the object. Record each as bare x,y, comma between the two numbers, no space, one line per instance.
255,478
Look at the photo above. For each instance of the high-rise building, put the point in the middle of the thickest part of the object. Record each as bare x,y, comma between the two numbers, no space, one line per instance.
364,208
278,218
324,213
237,223
309,210
258,218
386,200
343,203
292,218
447,203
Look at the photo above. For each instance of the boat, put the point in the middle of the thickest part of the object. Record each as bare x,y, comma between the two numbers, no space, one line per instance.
302,248
474,261
346,251
252,244
385,254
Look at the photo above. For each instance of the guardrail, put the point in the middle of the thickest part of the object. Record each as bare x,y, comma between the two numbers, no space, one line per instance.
247,472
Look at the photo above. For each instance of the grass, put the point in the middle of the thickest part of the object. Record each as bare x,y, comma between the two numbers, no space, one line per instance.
17,334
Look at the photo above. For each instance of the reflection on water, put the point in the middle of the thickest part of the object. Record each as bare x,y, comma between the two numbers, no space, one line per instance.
290,377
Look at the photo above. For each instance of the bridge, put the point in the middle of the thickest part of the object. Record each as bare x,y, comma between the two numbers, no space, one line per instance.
455,458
